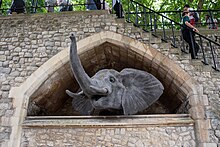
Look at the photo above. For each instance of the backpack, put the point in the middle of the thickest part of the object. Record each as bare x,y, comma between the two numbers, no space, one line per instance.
196,16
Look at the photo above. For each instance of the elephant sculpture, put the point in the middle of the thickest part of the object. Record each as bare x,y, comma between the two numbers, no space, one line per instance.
126,92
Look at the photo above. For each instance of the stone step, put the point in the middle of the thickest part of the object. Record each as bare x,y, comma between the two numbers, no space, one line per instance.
155,39
146,36
174,50
162,45
121,20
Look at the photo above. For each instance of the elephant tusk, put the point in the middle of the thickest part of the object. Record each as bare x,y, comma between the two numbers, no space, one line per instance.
71,94
99,91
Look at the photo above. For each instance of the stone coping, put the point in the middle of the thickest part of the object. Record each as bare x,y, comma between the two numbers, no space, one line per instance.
60,14
108,121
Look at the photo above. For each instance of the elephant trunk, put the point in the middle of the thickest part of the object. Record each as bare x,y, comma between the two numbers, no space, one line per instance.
84,81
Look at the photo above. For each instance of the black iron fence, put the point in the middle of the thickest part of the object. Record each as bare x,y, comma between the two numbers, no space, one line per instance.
206,18
159,25
211,15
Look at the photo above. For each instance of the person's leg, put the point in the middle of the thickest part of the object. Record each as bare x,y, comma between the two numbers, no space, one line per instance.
187,38
194,47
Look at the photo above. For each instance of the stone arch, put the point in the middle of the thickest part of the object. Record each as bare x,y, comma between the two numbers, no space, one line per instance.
155,62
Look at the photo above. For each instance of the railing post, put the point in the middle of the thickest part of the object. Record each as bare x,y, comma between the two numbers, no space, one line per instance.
164,33
180,13
129,10
145,22
213,56
32,6
136,18
174,40
203,52
151,23
155,24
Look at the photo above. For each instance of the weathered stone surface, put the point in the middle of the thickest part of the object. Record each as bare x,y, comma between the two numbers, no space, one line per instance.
38,43
5,87
5,70
137,137
2,58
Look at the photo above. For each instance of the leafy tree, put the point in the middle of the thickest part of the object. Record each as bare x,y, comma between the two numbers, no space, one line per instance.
161,6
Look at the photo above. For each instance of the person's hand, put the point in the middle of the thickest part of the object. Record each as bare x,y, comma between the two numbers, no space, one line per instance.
195,30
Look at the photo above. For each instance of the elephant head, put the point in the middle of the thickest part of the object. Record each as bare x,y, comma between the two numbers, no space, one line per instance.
128,91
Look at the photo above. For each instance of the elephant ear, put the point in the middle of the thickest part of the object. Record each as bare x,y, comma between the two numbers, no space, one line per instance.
81,103
141,90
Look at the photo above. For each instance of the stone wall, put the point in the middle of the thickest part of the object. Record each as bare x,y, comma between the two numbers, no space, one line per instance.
129,137
28,41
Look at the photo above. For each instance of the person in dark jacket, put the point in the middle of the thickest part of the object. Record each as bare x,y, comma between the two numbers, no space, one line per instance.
188,35
18,6
117,6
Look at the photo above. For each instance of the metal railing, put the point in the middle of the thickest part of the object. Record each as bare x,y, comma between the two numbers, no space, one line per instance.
177,15
154,22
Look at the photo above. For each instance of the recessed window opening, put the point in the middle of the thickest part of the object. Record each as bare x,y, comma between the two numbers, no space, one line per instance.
51,99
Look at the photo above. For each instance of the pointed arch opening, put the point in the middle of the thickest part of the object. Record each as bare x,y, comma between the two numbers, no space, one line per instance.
46,87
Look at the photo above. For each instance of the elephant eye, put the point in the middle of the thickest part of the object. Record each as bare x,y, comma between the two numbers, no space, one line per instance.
112,79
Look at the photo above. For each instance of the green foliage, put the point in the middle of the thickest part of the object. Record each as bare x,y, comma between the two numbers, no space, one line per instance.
157,5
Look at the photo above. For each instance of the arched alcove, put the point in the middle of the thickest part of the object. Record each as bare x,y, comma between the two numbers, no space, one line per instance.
46,86
112,51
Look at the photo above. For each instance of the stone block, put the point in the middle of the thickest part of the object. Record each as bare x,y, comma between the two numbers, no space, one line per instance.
5,87
195,100
28,55
207,145
5,70
5,121
205,100
2,58
197,112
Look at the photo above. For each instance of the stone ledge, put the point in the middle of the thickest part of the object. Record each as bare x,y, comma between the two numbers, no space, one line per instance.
108,121
60,14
